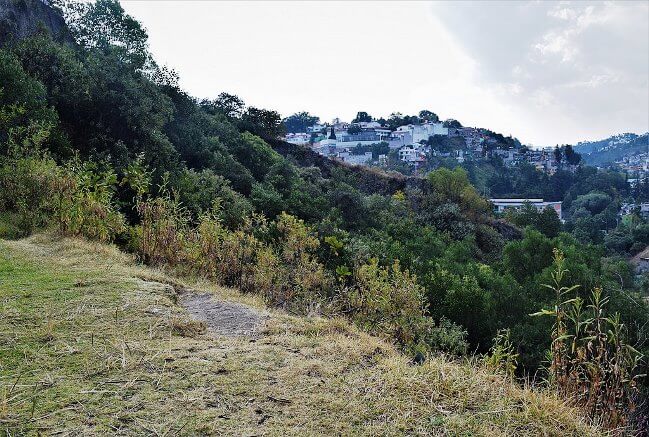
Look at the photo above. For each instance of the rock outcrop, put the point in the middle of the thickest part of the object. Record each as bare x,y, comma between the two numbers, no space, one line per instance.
20,19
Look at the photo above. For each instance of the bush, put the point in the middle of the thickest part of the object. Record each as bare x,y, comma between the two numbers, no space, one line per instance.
591,362
199,190
28,187
85,205
389,302
227,256
162,234
10,226
303,283
502,356
447,337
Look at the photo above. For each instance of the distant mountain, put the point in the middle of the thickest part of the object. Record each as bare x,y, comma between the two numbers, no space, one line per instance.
612,149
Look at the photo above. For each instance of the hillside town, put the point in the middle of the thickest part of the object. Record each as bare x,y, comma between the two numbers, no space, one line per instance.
636,167
418,146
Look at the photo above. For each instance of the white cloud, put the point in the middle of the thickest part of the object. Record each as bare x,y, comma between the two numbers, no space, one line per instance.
575,69
546,72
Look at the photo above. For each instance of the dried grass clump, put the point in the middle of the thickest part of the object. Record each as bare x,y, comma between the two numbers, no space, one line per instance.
187,327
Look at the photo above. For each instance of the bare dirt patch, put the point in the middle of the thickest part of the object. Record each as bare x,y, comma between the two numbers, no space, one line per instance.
228,319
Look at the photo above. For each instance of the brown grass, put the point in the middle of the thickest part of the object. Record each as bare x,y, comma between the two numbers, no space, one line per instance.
115,364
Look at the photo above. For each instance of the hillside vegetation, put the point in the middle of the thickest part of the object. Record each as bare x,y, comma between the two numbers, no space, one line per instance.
609,150
93,343
98,141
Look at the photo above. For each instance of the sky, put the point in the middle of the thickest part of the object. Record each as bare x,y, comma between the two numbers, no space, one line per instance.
545,72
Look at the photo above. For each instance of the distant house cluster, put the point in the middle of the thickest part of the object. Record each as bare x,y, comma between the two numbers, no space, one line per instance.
641,208
412,144
635,166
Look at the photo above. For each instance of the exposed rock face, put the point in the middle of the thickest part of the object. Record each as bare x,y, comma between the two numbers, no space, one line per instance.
20,19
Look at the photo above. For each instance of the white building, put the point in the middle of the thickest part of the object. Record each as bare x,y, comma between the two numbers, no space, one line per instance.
412,154
421,132
297,138
630,208
317,128
399,139
365,125
354,159
501,205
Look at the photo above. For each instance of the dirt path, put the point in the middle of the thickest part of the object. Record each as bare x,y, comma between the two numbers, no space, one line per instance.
229,319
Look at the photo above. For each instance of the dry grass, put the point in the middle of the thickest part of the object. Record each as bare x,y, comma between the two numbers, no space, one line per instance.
89,345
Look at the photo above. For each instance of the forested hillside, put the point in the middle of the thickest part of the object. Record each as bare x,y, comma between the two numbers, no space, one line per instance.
615,148
98,140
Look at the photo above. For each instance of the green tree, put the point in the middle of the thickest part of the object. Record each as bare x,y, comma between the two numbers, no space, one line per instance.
454,186
545,221
299,122
558,155
229,105
452,123
572,157
354,129
362,116
104,24
262,122
427,115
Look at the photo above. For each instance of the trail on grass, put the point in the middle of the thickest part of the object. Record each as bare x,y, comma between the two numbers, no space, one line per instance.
225,318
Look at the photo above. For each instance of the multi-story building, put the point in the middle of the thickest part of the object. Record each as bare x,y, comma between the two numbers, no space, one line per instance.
421,132
502,205
413,154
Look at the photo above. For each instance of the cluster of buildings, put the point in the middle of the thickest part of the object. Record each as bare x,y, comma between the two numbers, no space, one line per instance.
631,208
340,140
635,166
542,159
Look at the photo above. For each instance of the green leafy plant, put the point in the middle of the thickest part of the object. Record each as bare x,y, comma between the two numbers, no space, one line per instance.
502,356
591,362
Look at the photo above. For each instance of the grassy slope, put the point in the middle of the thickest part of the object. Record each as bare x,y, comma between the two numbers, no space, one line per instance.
87,345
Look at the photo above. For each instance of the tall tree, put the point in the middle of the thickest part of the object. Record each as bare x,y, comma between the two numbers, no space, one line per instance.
558,155
299,122
104,24
362,116
262,122
572,157
452,123
427,115
229,105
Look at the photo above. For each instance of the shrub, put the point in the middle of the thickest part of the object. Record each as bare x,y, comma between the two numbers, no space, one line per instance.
388,301
28,187
302,283
447,337
9,225
199,190
77,197
591,363
85,204
502,355
228,256
162,234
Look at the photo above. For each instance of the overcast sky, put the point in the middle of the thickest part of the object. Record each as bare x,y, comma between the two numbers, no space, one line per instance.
544,72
